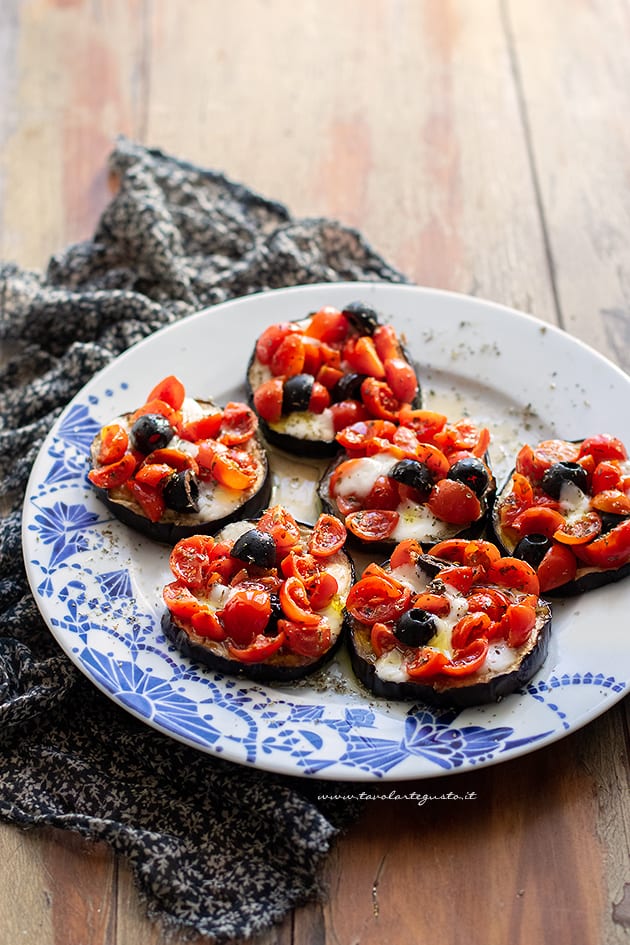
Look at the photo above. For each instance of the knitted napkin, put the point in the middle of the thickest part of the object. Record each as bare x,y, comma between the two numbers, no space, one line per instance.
215,848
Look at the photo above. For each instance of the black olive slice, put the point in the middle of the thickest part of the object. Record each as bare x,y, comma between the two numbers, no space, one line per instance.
181,491
532,549
472,473
563,472
415,627
412,473
348,387
362,317
255,547
296,393
151,432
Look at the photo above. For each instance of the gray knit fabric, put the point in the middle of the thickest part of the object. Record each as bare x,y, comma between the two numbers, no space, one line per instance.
215,848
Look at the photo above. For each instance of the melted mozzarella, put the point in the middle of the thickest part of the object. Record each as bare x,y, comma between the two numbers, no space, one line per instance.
415,520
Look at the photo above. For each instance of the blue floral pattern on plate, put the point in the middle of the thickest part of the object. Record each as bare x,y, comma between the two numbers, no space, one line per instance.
98,586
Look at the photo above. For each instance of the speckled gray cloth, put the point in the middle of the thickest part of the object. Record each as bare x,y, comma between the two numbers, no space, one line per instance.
215,848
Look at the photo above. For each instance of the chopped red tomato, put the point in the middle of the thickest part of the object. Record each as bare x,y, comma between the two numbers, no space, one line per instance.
362,357
206,623
514,573
239,424
425,423
521,620
299,564
406,552
426,663
603,447
295,602
114,441
379,399
152,474
437,604
468,660
328,536
606,475
280,524
328,324
271,338
346,412
538,520
453,502
376,599
260,649
382,638
612,500
150,499
329,376
470,627
114,474
180,600
268,399
401,378
434,458
372,524
321,589
233,469
386,342
288,358
159,407
246,614
176,459
204,428
191,560
310,641
579,531
461,577
170,390
611,550
319,399
558,567
354,437
383,494
488,600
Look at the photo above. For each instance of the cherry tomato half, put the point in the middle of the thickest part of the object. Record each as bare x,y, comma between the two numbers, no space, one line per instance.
239,424
310,641
557,567
454,502
468,660
328,536
268,399
114,441
246,614
113,475
376,599
191,560
372,524
259,650
295,603
170,390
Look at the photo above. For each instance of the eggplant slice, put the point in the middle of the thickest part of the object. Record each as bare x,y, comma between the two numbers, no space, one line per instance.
415,518
201,505
573,489
506,670
305,432
285,664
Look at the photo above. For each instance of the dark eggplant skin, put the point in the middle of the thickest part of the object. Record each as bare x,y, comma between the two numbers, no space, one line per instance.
386,546
283,669
189,523
280,668
586,578
461,692
302,446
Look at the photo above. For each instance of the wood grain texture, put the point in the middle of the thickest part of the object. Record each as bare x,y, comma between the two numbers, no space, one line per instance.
481,147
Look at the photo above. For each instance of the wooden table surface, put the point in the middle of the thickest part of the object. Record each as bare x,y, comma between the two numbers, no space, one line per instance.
482,146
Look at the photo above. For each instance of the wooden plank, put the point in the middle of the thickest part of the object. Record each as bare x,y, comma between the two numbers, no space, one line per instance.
56,888
77,75
518,862
400,118
575,75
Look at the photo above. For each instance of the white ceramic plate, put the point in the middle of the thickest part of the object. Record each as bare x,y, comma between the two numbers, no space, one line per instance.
98,585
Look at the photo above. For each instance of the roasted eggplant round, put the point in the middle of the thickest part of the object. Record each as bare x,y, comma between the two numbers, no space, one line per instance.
460,630
177,466
234,610
308,379
566,510
421,478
